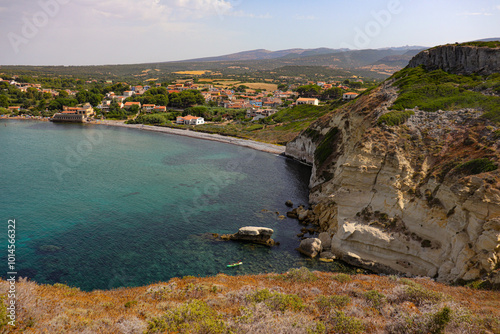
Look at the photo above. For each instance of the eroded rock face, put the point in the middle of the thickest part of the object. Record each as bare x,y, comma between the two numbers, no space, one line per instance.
460,59
391,198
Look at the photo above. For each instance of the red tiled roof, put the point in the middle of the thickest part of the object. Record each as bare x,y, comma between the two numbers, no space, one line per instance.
189,117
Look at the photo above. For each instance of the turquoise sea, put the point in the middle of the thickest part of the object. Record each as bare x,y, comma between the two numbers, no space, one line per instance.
100,207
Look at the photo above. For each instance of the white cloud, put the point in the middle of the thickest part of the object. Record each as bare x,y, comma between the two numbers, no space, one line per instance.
133,10
156,11
305,17
241,13
475,14
202,6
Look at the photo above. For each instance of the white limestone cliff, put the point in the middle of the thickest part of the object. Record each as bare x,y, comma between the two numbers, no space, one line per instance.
387,197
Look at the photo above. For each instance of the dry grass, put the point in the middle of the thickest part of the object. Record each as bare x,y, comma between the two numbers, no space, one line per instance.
193,72
298,302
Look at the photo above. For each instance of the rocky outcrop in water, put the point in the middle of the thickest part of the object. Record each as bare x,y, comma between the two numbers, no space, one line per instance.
460,59
392,197
257,235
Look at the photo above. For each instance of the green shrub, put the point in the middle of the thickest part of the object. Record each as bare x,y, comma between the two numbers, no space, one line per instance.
300,275
342,278
375,298
342,324
394,118
432,323
193,317
477,284
418,295
130,303
318,328
3,313
326,303
154,119
477,166
440,320
277,301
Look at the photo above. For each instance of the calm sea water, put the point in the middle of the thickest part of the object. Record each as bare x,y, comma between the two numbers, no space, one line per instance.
101,207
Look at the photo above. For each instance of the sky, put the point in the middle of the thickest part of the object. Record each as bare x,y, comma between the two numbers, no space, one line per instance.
95,32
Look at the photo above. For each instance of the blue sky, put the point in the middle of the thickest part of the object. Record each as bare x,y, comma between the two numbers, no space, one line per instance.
81,32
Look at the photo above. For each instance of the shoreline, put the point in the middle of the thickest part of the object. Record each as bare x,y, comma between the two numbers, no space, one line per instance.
248,143
259,146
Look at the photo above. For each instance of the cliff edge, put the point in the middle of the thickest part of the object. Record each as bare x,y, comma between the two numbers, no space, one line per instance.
461,59
409,191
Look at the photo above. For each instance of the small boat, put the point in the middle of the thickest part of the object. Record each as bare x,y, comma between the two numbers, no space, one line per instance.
239,263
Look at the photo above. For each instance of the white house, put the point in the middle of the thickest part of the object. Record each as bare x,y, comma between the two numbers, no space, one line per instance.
148,107
349,96
190,120
304,100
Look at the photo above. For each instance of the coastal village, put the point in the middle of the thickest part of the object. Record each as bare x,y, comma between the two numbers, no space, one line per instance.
256,103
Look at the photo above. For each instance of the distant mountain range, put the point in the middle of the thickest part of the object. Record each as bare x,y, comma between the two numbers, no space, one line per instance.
372,63
488,39
262,54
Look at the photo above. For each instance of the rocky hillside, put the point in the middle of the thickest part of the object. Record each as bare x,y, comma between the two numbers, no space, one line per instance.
414,190
298,302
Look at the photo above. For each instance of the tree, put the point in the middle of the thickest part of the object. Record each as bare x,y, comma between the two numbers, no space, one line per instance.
308,90
283,87
114,107
241,88
332,93
134,109
4,101
63,93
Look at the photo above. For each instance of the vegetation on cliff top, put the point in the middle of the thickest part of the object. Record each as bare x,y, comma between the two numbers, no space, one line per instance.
439,90
487,44
395,117
299,301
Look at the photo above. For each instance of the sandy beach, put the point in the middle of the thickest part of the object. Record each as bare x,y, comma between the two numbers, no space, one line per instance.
265,147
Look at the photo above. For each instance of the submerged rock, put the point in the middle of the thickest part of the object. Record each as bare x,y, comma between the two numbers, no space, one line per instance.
50,248
289,204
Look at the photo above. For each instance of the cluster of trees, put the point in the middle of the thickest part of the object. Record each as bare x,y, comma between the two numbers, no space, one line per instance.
155,119
316,91
186,98
353,84
32,98
161,97
215,114
157,96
